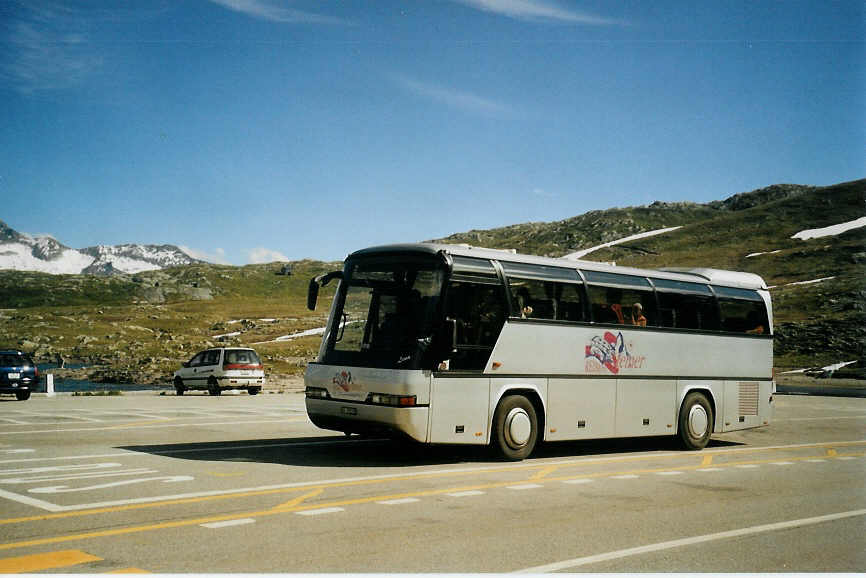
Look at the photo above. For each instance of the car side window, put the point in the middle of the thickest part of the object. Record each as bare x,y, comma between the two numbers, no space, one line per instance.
211,357
196,360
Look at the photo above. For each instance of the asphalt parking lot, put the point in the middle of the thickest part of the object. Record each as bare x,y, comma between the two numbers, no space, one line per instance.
246,484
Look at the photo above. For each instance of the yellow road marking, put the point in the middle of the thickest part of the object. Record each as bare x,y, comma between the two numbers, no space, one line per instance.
831,453
128,571
543,472
297,501
36,562
708,460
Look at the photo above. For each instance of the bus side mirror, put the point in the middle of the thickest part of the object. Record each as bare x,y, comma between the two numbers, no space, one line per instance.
312,295
315,283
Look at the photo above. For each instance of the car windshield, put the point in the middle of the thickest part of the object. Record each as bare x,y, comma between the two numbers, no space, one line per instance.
385,315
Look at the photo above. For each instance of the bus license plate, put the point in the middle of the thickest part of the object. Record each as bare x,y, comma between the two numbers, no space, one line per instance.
13,375
349,410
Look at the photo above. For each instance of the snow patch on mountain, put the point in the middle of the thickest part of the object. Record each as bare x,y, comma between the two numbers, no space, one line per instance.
43,253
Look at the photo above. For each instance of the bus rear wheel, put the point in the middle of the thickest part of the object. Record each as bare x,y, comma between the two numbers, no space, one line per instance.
696,421
515,426
178,386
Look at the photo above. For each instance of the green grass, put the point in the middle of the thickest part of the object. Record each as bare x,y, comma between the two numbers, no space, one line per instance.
142,326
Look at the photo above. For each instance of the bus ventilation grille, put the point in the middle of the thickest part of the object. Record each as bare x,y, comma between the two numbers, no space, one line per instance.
748,398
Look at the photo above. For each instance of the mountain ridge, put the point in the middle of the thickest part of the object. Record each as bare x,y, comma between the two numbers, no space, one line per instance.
45,254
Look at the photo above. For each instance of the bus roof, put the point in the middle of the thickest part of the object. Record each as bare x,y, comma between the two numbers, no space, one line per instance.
695,275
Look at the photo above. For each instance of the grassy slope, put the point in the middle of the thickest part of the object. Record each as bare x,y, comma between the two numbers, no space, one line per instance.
141,326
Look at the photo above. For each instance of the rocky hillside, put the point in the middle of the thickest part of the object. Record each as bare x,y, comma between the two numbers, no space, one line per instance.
45,254
819,284
139,327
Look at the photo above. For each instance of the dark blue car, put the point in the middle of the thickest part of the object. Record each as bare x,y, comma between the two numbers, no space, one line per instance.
18,373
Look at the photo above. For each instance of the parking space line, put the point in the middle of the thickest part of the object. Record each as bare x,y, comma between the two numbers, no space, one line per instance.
227,523
163,425
398,501
650,548
320,511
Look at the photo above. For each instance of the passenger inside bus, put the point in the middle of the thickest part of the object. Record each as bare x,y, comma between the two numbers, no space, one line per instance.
637,317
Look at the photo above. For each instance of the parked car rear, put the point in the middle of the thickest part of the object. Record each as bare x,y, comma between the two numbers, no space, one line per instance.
219,369
18,374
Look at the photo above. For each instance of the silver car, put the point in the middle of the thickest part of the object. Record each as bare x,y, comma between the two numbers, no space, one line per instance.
220,369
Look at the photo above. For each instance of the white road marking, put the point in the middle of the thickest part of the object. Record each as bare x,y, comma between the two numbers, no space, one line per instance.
747,466
846,458
617,554
783,463
28,501
64,489
320,511
671,473
19,451
816,461
80,476
709,470
466,494
398,501
577,481
151,426
625,477
525,487
66,468
226,523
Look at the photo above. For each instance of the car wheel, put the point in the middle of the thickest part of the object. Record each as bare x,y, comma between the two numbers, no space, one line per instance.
178,386
23,395
213,387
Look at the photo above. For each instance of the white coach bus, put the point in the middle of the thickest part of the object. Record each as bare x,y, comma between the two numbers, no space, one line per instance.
460,345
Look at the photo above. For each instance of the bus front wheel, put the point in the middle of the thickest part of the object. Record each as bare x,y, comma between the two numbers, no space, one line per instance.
696,421
515,427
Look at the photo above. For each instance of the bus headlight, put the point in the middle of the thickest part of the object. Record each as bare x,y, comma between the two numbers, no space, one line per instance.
392,400
316,393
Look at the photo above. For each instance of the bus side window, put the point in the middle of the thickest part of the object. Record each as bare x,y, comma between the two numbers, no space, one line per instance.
616,306
744,316
685,311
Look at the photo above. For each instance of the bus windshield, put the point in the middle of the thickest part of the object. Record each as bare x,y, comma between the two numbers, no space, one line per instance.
385,315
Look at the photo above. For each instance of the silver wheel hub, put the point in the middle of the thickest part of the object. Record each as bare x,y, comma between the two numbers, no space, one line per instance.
518,427
698,421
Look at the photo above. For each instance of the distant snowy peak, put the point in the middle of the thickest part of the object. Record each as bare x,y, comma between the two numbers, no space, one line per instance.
135,258
45,254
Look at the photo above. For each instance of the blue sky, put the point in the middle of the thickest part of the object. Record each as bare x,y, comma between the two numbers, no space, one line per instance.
255,130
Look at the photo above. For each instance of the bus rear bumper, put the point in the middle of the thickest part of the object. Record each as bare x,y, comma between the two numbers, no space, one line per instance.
351,417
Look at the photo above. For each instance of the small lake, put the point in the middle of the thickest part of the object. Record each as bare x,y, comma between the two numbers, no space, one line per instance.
70,385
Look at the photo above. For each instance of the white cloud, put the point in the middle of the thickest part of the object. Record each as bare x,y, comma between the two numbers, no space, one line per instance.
218,256
48,48
262,255
536,11
459,99
266,10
